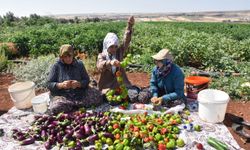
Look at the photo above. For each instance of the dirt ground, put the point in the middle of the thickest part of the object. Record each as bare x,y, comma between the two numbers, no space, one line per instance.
238,108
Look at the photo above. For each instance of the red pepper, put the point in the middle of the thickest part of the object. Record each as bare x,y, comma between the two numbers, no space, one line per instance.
146,139
122,107
115,126
161,146
136,129
164,131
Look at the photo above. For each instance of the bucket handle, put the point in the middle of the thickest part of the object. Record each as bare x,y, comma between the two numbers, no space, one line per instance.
22,99
198,90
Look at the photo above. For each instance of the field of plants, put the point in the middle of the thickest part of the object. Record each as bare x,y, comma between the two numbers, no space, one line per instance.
221,49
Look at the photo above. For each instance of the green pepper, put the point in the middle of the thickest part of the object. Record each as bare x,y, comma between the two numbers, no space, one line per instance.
110,128
158,137
170,136
65,122
137,123
72,144
126,148
176,130
171,144
111,147
107,113
116,131
180,142
116,142
98,145
197,128
103,139
119,146
126,142
109,141
155,130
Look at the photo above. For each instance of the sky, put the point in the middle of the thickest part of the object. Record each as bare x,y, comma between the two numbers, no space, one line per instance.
54,7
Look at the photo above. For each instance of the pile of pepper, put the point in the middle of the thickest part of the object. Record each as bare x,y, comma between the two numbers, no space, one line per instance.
144,131
120,94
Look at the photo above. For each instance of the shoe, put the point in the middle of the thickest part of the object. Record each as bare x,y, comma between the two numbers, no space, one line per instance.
240,120
237,128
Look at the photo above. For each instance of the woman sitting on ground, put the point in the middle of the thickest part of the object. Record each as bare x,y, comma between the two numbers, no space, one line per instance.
68,83
167,80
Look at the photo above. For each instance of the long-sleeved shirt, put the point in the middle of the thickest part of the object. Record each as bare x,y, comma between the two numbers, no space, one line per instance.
61,72
107,78
170,87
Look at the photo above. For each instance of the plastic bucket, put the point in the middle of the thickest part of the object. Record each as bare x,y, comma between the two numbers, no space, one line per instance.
21,94
40,104
194,84
212,105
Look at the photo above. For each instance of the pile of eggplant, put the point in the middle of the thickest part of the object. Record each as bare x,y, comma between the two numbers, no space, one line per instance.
73,130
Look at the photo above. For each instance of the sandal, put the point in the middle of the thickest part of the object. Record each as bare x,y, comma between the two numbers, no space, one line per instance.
240,131
239,120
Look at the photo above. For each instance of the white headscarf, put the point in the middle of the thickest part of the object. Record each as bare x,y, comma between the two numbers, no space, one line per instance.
109,40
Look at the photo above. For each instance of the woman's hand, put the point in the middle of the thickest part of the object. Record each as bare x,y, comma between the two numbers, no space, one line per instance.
75,84
64,85
131,21
156,100
115,63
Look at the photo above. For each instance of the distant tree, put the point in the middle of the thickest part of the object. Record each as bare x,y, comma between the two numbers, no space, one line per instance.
34,16
96,19
62,20
1,20
9,18
76,20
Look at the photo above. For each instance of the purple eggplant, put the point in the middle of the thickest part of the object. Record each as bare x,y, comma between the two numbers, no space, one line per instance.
14,136
15,130
67,136
28,141
47,145
55,123
87,115
19,133
78,143
108,135
87,129
37,137
59,138
44,135
21,137
37,117
51,126
68,131
52,140
91,139
78,134
103,122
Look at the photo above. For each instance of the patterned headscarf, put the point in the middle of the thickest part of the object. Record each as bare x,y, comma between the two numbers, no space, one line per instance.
165,69
109,40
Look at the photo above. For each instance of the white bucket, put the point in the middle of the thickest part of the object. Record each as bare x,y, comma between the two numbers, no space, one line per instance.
212,105
39,104
21,94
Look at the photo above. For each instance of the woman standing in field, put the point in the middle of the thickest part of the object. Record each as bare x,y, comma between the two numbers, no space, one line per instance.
109,61
167,80
68,83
